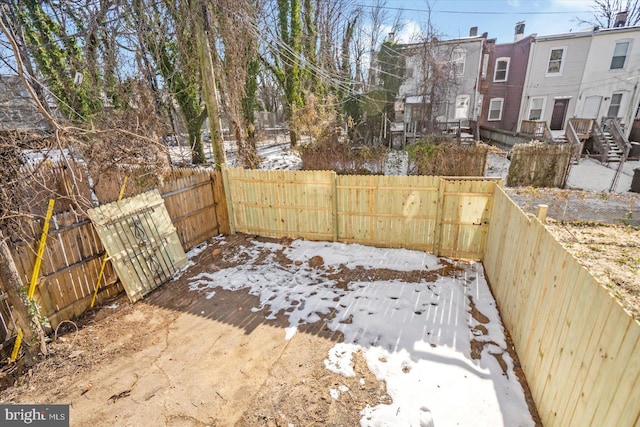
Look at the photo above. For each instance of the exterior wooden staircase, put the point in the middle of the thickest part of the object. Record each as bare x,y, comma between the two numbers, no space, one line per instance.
610,142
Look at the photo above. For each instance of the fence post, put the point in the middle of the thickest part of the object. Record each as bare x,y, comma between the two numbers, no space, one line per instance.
334,190
541,213
439,206
227,194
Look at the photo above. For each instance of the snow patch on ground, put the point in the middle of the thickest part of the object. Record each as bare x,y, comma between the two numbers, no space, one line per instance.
587,175
397,163
591,175
497,166
414,336
354,255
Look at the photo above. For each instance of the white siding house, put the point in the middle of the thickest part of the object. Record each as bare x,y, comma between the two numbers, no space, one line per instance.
460,100
611,80
554,77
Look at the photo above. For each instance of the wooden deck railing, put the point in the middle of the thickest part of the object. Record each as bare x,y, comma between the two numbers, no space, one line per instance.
582,127
536,128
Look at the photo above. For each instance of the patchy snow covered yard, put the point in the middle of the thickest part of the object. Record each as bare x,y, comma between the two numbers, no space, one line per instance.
436,341
279,332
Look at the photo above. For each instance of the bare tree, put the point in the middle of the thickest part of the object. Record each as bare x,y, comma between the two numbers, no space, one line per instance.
604,13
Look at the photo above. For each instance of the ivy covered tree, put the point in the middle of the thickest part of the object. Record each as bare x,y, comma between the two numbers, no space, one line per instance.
58,53
167,36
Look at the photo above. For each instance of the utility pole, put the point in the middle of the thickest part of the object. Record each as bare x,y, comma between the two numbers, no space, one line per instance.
209,91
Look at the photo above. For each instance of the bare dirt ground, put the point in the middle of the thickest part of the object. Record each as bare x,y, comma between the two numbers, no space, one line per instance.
179,359
610,252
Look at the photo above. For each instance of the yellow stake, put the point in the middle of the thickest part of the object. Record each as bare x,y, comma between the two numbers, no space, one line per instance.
104,259
36,272
43,241
16,346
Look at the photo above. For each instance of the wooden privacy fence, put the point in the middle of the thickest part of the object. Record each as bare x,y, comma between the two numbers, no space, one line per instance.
446,216
578,347
539,165
73,255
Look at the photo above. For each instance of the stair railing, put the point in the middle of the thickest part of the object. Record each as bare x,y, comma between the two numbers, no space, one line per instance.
572,138
623,144
600,142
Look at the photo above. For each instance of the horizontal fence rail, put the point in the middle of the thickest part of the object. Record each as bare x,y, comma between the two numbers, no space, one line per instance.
578,347
73,253
446,216
390,211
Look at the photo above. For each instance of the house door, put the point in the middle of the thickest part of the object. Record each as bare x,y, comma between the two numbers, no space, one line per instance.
591,107
559,113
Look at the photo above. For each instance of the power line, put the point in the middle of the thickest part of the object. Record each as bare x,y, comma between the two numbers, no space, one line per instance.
468,12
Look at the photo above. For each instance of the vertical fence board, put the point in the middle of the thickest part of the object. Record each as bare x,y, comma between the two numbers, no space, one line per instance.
577,346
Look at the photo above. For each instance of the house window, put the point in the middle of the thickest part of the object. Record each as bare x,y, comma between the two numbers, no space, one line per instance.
502,70
495,109
485,65
556,61
458,58
614,106
536,105
462,106
619,56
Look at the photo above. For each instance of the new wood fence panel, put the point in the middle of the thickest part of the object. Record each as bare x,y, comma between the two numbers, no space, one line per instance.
388,211
577,345
627,392
283,203
466,209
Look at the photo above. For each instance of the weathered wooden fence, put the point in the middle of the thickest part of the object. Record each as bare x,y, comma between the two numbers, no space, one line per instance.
539,165
578,347
73,254
447,216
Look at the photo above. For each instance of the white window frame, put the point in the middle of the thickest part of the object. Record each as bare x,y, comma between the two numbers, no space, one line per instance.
562,61
461,59
620,111
506,71
544,104
626,56
468,102
501,101
480,98
485,65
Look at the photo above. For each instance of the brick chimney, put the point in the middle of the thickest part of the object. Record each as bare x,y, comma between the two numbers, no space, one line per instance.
473,31
519,33
621,19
